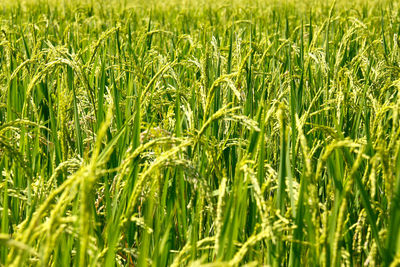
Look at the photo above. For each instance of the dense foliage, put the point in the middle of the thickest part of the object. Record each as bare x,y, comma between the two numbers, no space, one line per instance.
197,133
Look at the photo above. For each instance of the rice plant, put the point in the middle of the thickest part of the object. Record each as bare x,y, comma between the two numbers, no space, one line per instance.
199,133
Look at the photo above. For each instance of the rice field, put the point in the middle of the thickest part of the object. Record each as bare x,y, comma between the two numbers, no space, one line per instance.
199,133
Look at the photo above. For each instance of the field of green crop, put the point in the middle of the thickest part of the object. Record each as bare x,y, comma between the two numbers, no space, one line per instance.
199,133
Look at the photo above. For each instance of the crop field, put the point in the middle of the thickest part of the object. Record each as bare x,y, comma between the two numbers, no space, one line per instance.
199,133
